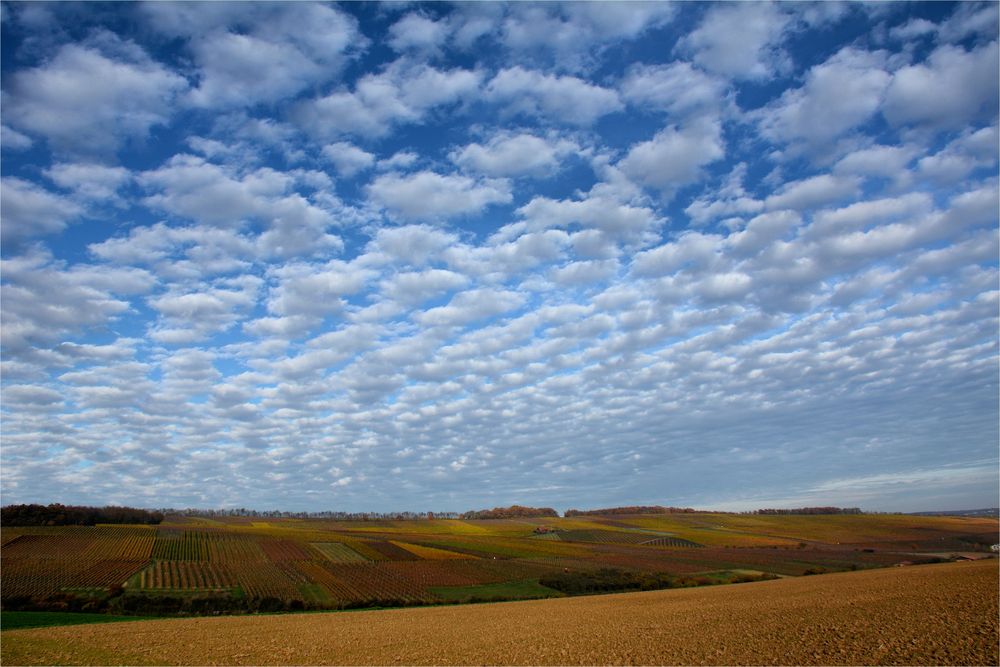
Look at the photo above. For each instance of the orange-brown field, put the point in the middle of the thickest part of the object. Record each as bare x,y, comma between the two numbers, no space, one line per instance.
932,614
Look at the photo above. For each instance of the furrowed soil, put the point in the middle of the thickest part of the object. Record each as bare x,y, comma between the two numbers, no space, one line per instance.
932,614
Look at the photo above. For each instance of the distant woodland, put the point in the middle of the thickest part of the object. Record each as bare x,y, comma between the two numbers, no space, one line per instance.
512,512
70,515
813,510
631,509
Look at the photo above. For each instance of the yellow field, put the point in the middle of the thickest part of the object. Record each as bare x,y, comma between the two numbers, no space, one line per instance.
935,614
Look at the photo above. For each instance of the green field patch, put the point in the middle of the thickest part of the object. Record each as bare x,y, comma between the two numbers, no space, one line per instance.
733,576
338,552
553,536
315,593
508,590
604,536
677,542
14,620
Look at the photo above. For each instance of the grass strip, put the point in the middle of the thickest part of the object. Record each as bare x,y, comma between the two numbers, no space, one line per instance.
14,620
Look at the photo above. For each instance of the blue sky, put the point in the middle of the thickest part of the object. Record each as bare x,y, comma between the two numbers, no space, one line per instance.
450,256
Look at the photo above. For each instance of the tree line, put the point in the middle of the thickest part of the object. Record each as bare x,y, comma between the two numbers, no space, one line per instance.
812,510
632,509
73,515
512,512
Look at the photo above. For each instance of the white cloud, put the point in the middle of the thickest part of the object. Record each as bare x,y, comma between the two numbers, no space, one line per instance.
968,19
677,88
306,289
618,221
572,35
347,158
87,101
740,40
965,154
950,89
674,157
413,245
812,192
11,139
426,195
913,29
259,53
838,95
404,93
582,273
398,161
281,327
193,188
471,306
692,250
885,161
562,98
44,301
179,252
508,154
411,288
415,31
28,210
731,199
187,317
868,214
90,182
238,70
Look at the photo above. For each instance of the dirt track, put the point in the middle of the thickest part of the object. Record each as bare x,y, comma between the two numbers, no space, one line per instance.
934,614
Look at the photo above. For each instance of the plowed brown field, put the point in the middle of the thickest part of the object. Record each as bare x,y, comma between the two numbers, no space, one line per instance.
933,614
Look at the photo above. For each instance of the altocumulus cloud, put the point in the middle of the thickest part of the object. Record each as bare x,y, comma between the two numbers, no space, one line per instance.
320,256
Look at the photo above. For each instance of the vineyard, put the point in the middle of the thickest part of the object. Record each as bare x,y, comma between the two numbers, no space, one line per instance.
296,564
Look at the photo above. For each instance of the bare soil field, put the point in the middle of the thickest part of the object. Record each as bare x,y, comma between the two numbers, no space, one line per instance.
931,614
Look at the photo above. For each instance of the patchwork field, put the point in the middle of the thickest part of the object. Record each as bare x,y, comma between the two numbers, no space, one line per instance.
191,565
942,614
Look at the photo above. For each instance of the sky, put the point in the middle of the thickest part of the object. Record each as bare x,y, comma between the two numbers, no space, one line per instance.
411,257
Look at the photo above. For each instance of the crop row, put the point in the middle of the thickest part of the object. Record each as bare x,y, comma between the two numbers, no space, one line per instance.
234,549
338,552
180,546
604,536
41,576
373,581
135,547
279,550
275,580
47,546
676,542
432,553
505,547
186,575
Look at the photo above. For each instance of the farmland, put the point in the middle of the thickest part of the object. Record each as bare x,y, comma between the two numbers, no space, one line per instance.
873,617
195,565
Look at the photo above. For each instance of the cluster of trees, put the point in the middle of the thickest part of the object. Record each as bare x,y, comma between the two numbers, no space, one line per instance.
608,580
71,515
812,510
512,512
633,509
